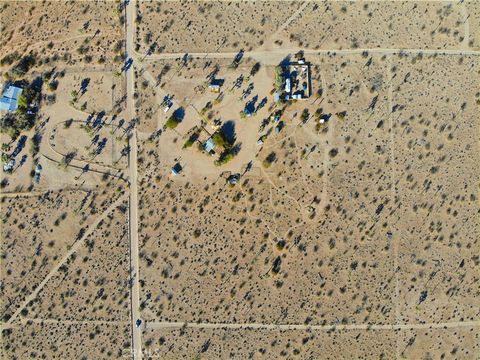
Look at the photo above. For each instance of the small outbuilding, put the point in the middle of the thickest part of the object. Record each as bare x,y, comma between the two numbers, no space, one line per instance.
209,145
176,169
214,88
8,167
233,179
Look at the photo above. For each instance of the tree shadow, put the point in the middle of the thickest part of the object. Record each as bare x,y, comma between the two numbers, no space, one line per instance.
286,61
228,130
84,85
236,148
179,114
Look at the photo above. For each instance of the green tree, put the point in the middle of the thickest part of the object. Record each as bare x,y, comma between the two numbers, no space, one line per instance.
172,122
279,78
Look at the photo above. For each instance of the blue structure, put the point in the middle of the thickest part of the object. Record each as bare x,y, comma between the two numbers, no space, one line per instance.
177,169
9,99
209,145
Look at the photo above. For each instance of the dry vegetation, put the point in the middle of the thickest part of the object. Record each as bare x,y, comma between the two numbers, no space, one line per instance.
36,231
473,11
66,341
437,222
75,32
268,344
356,210
209,25
187,343
94,283
382,24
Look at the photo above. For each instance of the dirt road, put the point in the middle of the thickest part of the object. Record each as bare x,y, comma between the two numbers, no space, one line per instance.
275,56
174,325
132,162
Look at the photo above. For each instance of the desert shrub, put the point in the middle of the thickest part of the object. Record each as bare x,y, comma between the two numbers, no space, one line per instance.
191,140
224,158
305,115
9,58
52,86
23,66
269,160
255,69
68,123
35,143
333,152
341,115
188,143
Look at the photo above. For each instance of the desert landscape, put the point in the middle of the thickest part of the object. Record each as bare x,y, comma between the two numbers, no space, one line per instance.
240,179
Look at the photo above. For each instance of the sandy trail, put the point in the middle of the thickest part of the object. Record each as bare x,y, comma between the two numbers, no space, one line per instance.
259,326
66,256
275,56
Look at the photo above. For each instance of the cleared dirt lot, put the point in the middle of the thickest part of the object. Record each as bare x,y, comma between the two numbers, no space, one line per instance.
276,239
98,90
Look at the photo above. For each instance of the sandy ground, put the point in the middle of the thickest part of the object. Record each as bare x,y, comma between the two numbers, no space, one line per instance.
328,25
342,200
37,230
214,25
59,31
94,282
258,344
353,238
67,341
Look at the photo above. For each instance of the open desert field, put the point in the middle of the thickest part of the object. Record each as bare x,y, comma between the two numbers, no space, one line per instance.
73,32
207,26
316,237
187,343
203,26
53,340
271,344
240,179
